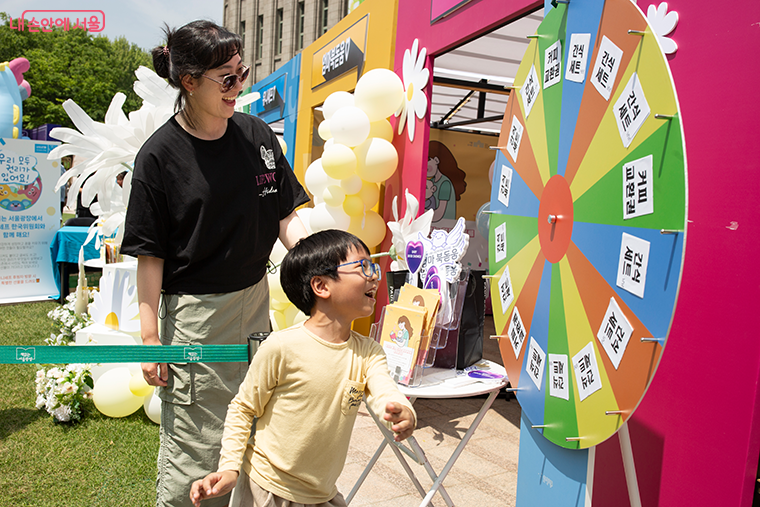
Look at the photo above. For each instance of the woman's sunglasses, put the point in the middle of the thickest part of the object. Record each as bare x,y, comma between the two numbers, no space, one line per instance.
229,81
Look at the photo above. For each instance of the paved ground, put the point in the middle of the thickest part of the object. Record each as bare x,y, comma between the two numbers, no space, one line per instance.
484,475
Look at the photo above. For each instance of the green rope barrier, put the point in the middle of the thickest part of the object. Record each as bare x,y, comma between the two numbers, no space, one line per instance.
47,354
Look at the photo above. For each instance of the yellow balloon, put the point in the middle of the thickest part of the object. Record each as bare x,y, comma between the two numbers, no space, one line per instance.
152,407
376,160
278,305
333,195
139,387
369,194
284,145
291,313
324,130
275,289
112,396
277,319
353,206
339,161
370,228
381,129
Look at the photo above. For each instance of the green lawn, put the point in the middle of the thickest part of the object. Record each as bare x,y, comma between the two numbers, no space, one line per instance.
99,461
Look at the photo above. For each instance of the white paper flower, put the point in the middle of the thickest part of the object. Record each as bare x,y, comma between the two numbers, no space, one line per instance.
115,305
663,23
415,77
407,228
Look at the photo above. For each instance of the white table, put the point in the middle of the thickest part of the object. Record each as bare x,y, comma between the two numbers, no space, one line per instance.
437,383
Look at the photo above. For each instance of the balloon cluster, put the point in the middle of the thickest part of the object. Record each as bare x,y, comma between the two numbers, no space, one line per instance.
120,392
282,313
358,156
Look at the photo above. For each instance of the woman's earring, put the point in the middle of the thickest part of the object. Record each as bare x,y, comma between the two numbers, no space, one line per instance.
191,94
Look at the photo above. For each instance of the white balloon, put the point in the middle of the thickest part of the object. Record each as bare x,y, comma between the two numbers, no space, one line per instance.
325,217
335,101
351,185
275,288
328,143
379,93
152,407
324,130
349,125
316,178
278,252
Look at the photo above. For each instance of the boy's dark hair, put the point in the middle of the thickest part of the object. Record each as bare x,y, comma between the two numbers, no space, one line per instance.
315,255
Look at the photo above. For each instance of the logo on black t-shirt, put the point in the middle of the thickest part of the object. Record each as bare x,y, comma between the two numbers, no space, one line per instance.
268,157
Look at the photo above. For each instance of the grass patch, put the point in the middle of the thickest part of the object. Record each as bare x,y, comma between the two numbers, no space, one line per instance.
100,461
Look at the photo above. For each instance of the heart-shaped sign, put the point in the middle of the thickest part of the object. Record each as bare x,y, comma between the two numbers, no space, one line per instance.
415,252
433,282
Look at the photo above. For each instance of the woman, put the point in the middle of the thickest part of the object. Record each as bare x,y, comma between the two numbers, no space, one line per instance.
211,193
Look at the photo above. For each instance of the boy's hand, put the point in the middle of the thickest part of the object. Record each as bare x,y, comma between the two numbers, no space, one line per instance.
215,484
402,419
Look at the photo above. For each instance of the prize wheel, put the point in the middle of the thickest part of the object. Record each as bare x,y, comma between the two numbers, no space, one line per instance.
588,222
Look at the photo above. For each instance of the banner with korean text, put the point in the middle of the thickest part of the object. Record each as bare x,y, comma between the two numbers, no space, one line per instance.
30,215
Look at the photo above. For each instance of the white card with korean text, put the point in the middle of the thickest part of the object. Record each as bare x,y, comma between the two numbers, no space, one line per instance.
500,242
558,385
606,67
631,110
614,333
505,290
515,137
529,90
552,64
516,332
586,370
577,56
505,185
536,363
632,266
638,188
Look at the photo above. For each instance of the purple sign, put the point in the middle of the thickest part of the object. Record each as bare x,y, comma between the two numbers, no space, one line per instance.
415,252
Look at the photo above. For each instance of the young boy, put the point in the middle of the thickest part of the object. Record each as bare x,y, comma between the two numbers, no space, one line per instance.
306,383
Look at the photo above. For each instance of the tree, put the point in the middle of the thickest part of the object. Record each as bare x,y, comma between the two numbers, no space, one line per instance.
73,65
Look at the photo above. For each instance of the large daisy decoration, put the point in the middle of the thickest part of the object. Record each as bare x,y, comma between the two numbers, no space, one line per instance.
415,77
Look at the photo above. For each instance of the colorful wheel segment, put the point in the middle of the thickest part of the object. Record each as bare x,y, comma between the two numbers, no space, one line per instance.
588,222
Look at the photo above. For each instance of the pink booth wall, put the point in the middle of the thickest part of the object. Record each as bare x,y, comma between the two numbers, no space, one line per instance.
696,434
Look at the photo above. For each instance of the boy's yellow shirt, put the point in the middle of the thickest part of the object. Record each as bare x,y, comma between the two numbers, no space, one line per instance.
306,393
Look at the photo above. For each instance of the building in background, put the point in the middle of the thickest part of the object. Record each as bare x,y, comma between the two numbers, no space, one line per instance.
274,31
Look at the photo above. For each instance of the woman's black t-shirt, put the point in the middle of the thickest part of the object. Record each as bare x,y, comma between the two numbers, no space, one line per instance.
210,209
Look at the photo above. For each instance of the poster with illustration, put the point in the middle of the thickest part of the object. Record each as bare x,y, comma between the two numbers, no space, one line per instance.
430,300
462,162
400,338
30,215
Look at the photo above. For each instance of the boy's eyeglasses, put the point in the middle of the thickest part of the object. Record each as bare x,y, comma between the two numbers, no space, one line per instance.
369,268
229,81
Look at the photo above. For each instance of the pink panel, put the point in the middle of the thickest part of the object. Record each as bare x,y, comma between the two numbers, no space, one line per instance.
696,434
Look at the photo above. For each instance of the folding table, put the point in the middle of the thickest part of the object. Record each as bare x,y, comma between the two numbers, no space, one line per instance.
437,384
